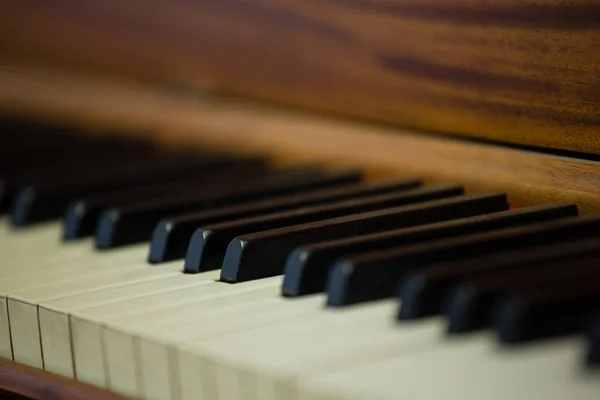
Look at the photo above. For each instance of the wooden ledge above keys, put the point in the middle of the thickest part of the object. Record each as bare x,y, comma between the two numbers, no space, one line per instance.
20,382
286,136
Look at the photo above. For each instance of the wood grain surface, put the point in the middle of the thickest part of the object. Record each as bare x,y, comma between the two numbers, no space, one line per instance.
520,71
19,382
109,107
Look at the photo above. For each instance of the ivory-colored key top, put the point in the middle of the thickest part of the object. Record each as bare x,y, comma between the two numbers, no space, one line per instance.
45,233
27,261
155,354
471,368
54,314
71,255
31,256
86,324
23,306
4,232
54,273
19,241
86,342
124,374
320,339
67,263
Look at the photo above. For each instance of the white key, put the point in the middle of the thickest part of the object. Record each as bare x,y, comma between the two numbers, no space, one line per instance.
56,271
265,359
54,314
23,274
85,323
471,368
4,229
23,304
213,301
20,243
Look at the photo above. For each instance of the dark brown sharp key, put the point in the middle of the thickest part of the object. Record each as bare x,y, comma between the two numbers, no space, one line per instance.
46,200
470,304
592,356
307,268
171,236
135,223
49,156
45,147
263,254
208,245
82,214
376,275
542,311
5,197
424,291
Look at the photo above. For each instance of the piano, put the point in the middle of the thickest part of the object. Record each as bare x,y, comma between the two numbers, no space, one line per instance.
316,200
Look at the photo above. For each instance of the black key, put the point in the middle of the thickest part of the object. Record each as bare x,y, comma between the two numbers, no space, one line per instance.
46,200
50,151
593,338
5,197
52,160
543,311
263,254
470,304
376,275
171,236
135,223
423,293
307,267
82,215
209,244
71,157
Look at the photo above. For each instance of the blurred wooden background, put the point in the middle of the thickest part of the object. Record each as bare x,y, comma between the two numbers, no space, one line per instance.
518,71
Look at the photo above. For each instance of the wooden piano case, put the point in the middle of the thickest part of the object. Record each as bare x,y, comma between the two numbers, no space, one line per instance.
496,94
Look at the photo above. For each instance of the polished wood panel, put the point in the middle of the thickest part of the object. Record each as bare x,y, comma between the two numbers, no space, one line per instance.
288,136
521,71
19,382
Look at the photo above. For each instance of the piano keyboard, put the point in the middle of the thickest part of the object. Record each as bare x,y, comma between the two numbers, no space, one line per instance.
186,275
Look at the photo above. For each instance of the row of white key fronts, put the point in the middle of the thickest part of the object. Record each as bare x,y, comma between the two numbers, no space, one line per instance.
112,320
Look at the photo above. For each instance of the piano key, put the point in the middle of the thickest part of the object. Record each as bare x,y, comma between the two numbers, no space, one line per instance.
469,369
423,292
120,337
22,305
135,223
41,201
592,356
171,236
307,268
265,369
72,161
61,267
82,214
376,275
263,254
209,319
50,150
44,236
209,244
541,311
470,304
86,323
54,314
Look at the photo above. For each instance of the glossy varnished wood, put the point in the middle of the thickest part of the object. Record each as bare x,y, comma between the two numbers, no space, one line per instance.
523,71
529,178
19,382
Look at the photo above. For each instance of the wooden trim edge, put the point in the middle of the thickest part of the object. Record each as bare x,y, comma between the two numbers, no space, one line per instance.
18,381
